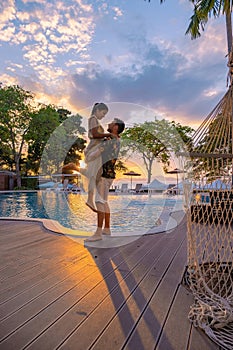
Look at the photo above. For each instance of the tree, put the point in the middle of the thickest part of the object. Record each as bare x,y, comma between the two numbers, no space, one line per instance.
44,122
16,112
75,151
155,140
25,130
64,145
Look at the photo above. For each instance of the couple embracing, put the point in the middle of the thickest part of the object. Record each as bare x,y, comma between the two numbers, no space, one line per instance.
101,155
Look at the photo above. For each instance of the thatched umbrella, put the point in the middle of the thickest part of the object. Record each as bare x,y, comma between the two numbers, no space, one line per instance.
70,168
131,174
176,171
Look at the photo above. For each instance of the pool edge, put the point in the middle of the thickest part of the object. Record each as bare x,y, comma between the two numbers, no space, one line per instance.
55,227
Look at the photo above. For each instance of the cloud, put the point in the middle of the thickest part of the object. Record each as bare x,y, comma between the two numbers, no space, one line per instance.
7,79
159,76
118,12
7,12
73,54
48,30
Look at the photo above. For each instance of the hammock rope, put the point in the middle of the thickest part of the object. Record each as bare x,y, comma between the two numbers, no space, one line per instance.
209,224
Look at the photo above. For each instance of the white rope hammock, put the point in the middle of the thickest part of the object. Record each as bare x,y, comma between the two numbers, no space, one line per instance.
210,234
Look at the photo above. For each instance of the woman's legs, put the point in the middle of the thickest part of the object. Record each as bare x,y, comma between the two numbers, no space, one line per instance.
90,194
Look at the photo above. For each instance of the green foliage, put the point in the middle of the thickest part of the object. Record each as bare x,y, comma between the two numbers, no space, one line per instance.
185,132
30,183
155,140
16,112
203,10
44,122
75,151
26,129
120,167
64,145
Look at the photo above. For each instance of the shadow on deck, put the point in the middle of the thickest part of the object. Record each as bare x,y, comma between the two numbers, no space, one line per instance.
56,294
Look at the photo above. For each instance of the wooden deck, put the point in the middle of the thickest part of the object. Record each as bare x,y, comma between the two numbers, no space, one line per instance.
57,294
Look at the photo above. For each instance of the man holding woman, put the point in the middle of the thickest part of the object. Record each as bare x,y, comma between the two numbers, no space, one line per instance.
109,150
92,152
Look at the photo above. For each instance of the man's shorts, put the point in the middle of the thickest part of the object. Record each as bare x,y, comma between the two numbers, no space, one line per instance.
102,190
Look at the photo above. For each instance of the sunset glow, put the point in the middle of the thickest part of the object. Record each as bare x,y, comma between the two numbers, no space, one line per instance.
75,53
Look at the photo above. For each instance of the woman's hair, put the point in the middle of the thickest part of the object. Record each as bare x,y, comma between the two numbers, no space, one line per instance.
100,106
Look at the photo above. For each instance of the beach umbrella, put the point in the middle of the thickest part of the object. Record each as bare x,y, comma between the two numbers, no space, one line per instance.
131,174
176,171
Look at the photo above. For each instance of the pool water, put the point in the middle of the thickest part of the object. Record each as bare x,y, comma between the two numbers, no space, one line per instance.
128,212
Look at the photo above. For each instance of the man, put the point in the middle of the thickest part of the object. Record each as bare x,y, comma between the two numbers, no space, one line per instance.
110,151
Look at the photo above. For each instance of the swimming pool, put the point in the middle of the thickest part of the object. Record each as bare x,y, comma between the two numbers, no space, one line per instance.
130,212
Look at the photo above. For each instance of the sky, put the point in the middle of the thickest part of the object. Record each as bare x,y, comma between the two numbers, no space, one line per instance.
72,53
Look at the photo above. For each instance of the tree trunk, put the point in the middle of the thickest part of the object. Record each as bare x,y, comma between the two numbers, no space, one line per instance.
230,74
149,171
229,46
17,171
229,32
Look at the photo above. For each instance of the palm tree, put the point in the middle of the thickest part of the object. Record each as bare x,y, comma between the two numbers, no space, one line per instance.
203,10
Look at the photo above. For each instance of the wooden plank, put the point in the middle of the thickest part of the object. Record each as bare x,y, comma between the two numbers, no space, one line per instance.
48,314
10,321
27,241
20,285
8,260
150,325
84,308
61,273
8,225
110,309
20,323
24,281
10,228
199,340
50,251
14,269
176,331
11,233
92,295
126,321
8,237
16,272
53,323
40,264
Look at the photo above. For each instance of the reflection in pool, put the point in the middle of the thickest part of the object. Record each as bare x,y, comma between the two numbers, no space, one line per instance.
129,212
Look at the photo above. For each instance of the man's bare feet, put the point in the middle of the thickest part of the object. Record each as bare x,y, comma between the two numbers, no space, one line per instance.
96,237
106,232
93,238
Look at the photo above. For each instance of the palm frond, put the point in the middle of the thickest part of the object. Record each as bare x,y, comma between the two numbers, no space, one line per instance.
196,22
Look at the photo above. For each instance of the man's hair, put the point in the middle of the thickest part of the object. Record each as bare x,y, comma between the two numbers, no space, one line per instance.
121,125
